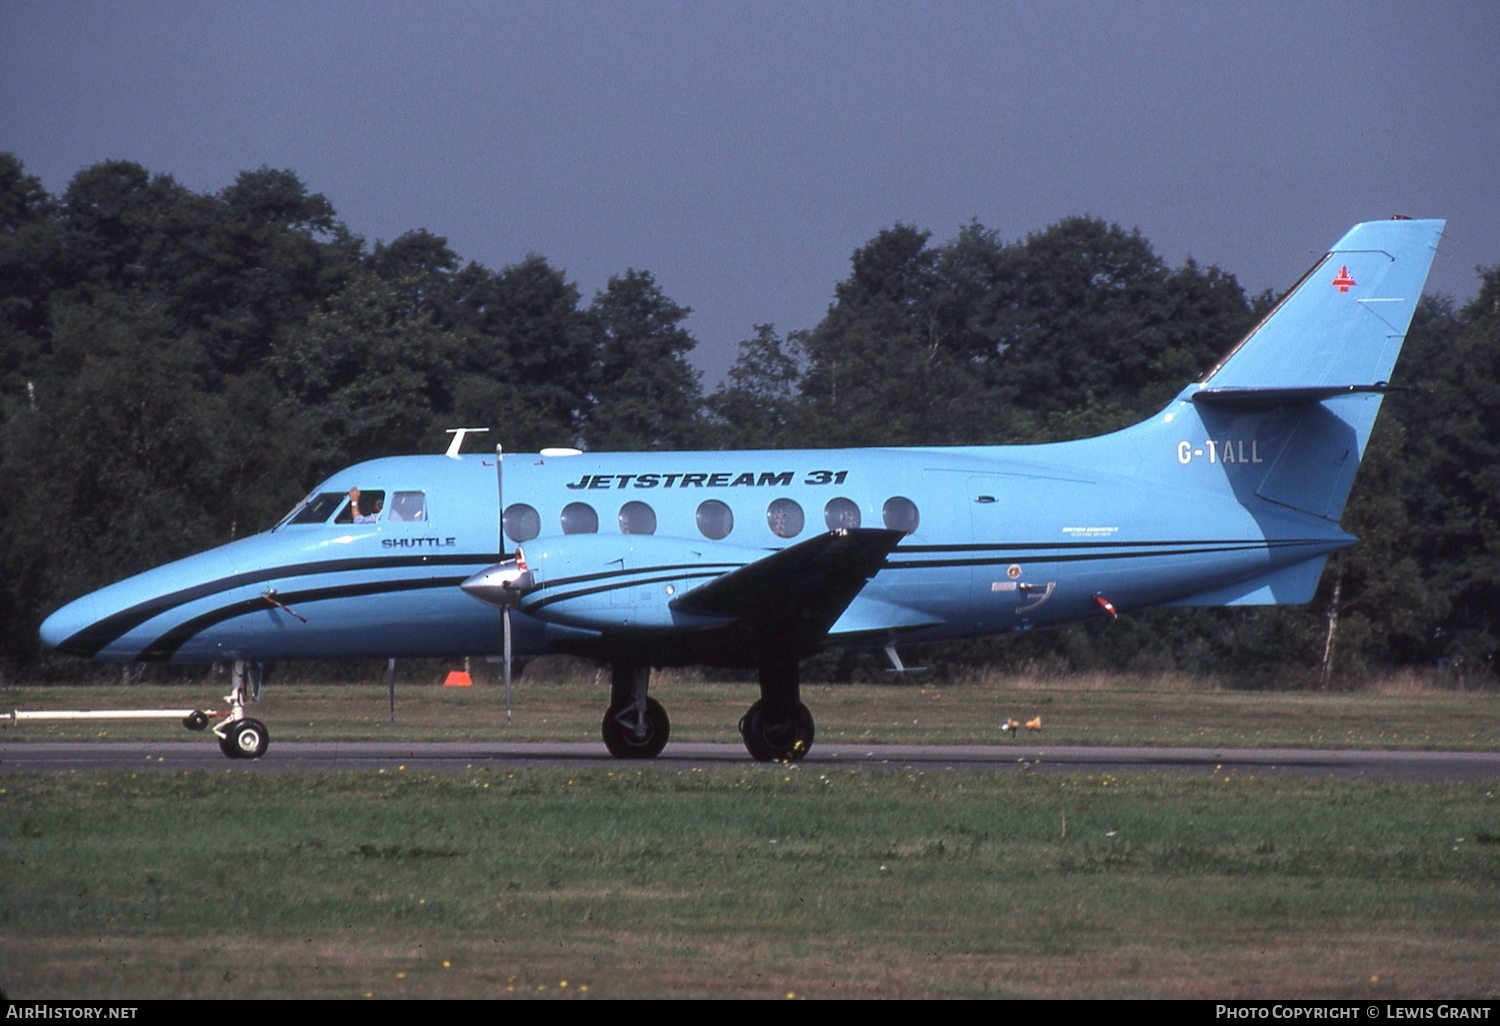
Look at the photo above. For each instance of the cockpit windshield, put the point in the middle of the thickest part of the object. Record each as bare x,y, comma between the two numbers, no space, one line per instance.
358,506
315,509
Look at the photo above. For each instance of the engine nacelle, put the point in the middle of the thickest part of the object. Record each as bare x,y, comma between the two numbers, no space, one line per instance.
603,583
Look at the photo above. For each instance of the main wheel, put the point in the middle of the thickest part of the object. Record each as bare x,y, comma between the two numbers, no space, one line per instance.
245,739
628,739
777,733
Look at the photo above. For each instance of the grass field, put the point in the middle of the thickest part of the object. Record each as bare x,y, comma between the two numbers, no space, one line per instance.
759,881
754,881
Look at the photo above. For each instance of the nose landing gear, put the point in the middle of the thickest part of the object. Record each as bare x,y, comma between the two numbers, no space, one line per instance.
241,736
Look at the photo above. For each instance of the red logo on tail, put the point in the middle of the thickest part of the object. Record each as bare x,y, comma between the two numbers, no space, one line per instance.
1344,280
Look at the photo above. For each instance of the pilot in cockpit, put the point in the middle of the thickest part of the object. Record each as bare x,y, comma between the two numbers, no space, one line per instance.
360,516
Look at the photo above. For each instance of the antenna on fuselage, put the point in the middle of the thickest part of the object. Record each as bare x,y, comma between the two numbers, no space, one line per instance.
458,441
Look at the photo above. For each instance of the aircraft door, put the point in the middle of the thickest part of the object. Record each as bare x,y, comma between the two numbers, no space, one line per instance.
1003,589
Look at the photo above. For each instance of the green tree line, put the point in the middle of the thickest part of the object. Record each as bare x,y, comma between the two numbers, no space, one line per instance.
177,369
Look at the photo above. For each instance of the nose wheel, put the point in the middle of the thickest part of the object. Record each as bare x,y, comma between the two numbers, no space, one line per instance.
245,739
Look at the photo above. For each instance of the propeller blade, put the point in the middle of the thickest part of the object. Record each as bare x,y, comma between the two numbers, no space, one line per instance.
505,619
511,585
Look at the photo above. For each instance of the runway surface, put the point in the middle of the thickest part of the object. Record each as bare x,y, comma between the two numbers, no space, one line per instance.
303,757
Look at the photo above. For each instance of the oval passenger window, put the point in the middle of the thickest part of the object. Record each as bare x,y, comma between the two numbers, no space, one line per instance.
579,518
715,520
841,513
522,523
785,518
900,514
637,518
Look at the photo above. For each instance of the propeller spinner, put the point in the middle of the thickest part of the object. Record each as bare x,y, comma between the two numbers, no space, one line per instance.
503,584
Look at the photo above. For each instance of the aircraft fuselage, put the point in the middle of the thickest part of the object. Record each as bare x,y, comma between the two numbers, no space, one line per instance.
996,539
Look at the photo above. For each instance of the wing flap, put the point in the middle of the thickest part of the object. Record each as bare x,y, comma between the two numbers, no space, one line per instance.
872,617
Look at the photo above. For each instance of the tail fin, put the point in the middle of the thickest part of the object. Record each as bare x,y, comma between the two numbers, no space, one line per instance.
1340,327
1297,397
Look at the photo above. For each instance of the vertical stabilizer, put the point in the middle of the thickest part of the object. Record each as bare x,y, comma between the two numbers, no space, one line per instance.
1308,380
1343,324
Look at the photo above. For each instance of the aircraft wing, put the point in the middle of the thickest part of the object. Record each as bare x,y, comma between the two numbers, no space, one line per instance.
796,595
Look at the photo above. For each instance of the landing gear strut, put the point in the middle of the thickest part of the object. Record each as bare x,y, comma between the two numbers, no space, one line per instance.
778,728
240,736
635,726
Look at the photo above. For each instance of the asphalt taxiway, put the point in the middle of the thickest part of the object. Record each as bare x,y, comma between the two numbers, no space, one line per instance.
324,756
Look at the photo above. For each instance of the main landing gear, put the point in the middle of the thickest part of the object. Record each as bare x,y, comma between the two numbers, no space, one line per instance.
240,736
778,728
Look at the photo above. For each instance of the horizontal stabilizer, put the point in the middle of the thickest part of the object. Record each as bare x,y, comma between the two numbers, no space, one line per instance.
794,596
1266,398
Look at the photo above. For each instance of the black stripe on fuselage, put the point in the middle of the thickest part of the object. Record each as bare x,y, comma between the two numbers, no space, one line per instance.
1080,557
1068,546
1035,554
165,647
94,637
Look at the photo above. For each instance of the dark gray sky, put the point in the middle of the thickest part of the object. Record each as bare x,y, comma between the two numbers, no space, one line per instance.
742,151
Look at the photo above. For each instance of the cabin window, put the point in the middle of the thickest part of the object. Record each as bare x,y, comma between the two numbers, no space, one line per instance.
316,509
579,518
370,506
841,513
900,514
408,507
715,520
785,518
637,518
522,523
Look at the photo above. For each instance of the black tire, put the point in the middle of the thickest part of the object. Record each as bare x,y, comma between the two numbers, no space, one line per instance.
245,739
620,737
195,720
777,733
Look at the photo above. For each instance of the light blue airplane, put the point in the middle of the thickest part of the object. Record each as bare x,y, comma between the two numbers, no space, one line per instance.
1231,495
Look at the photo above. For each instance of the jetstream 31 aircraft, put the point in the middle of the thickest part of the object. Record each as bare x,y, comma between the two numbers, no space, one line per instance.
1231,495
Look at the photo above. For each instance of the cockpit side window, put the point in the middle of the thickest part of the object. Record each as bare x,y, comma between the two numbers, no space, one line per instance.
316,509
408,507
363,508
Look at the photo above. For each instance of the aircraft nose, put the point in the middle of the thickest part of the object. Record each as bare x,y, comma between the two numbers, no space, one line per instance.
65,629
